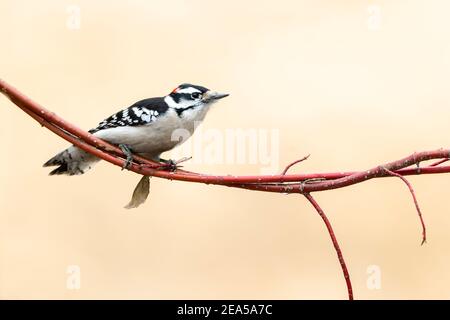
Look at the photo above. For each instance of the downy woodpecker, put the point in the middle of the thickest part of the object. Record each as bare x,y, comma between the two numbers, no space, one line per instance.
145,128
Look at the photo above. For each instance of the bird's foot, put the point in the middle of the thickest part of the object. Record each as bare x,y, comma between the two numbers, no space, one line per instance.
127,152
173,165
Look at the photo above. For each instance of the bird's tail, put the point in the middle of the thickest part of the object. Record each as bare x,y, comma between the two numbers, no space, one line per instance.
72,161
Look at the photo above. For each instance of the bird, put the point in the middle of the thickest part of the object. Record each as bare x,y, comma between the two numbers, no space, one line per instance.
145,128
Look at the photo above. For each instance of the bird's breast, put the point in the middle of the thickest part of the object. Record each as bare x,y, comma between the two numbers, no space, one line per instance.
159,136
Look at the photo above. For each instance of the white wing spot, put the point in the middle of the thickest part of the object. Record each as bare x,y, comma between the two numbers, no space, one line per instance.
138,112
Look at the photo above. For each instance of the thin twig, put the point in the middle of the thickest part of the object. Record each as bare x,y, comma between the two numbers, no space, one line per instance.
416,203
335,243
435,164
293,163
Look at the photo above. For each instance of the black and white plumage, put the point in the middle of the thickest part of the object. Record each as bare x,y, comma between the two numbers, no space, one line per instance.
145,127
141,113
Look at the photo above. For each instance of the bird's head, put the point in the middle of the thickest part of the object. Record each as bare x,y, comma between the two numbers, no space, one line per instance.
189,96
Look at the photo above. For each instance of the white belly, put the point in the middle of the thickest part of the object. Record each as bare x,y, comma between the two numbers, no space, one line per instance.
154,138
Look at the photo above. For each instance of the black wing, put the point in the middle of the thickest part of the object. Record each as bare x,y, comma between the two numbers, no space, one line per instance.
141,113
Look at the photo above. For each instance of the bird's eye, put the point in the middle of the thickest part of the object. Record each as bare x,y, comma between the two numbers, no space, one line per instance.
195,95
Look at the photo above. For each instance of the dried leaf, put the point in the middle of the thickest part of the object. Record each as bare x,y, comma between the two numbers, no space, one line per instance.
140,193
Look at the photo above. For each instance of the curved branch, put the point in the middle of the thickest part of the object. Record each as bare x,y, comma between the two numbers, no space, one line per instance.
335,243
294,163
270,183
416,203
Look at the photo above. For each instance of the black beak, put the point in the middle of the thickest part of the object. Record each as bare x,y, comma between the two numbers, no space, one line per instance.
220,95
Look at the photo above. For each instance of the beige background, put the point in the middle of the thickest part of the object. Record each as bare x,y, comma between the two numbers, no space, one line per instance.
350,94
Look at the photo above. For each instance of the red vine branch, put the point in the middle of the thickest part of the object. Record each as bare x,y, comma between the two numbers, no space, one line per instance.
335,243
416,203
294,163
283,183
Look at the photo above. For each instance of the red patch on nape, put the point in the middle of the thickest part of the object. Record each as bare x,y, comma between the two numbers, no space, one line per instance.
174,90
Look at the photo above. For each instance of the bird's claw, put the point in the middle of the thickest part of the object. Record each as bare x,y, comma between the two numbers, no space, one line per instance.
173,165
127,152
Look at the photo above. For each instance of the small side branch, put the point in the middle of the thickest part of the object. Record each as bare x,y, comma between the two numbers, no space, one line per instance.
335,243
437,163
294,163
416,203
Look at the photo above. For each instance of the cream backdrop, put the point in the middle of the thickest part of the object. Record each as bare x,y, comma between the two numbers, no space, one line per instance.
354,83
